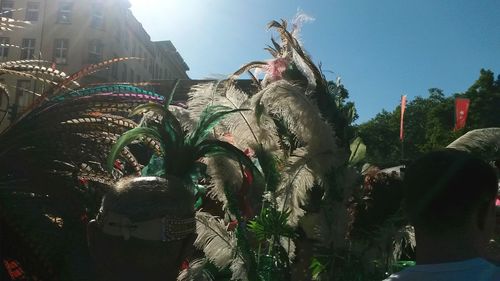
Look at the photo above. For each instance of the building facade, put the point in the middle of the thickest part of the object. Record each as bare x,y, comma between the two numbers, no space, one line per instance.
73,34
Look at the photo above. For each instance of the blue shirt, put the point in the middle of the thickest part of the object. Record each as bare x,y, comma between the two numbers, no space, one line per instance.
468,270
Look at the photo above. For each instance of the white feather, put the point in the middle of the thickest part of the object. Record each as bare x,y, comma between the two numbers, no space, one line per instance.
238,269
297,180
195,272
303,119
218,244
183,116
289,246
223,172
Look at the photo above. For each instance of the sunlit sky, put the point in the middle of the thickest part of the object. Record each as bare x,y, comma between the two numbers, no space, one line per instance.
381,49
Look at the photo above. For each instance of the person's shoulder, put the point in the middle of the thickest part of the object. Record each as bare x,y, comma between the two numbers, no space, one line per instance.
478,269
496,273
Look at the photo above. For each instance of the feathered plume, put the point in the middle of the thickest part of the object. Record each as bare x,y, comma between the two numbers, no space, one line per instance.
196,272
218,244
484,143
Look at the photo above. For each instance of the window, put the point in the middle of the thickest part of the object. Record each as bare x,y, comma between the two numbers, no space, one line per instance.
61,47
32,11
97,18
124,73
4,48
6,8
65,12
95,51
22,93
28,49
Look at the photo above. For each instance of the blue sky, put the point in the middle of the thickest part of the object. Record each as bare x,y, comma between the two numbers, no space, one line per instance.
381,49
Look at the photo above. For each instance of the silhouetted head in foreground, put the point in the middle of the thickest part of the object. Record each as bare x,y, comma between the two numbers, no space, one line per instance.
450,199
144,230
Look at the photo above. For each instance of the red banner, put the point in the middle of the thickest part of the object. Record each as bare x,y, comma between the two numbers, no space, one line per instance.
461,112
403,109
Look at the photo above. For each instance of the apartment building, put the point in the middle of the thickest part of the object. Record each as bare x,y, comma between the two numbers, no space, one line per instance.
73,34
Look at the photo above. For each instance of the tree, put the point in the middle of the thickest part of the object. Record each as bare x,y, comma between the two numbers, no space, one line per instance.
381,137
485,101
429,122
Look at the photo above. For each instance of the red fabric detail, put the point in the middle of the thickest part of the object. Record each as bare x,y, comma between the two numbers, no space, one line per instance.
13,269
248,177
461,112
232,225
249,152
184,265
118,165
84,218
83,181
243,201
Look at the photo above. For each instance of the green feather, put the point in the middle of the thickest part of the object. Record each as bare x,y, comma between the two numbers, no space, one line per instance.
154,107
209,118
209,148
169,98
128,138
172,126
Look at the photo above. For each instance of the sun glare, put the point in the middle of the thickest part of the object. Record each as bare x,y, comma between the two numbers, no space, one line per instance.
171,18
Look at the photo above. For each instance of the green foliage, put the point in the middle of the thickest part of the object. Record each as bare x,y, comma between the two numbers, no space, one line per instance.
381,138
271,224
337,110
358,152
317,268
429,122
400,265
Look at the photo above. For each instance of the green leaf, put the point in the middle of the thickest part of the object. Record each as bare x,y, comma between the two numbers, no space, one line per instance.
169,98
126,139
358,152
271,224
317,268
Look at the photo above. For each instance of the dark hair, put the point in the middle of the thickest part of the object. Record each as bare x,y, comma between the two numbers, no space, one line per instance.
443,189
379,203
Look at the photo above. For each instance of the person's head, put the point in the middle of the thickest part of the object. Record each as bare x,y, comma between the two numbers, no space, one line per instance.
143,231
451,191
